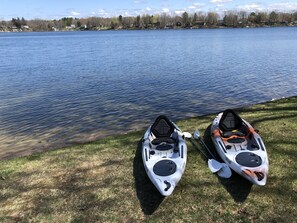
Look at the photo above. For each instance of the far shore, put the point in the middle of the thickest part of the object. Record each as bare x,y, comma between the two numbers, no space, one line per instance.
14,30
185,20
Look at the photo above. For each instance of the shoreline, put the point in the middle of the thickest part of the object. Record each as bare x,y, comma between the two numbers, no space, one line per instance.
92,138
146,29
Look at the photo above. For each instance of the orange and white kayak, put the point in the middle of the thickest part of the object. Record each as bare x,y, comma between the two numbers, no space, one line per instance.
240,146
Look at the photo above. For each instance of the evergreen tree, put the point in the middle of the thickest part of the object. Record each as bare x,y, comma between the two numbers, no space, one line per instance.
273,17
186,20
120,19
137,22
23,21
16,22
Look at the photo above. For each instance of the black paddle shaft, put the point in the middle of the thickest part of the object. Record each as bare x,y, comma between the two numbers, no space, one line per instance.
197,147
206,147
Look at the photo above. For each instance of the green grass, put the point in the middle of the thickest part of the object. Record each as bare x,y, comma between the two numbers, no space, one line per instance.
104,181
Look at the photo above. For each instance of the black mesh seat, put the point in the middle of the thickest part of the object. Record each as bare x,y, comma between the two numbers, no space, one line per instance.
231,124
162,127
162,130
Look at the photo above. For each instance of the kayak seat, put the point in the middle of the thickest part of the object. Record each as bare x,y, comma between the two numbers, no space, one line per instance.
232,125
162,127
168,140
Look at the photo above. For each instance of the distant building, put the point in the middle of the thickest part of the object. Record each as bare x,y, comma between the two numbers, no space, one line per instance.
55,29
83,27
70,27
14,29
25,28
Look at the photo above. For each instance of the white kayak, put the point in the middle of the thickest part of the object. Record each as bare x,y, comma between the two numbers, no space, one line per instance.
240,146
164,154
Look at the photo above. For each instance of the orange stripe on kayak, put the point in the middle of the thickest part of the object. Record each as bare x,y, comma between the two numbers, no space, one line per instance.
249,173
216,133
232,137
252,130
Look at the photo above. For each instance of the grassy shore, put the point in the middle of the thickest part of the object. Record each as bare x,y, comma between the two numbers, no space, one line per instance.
105,181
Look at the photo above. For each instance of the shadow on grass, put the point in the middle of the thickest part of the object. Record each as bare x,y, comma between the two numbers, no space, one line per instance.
148,195
237,186
70,194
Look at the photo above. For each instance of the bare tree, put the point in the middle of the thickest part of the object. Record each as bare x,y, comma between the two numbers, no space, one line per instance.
231,19
262,18
273,17
294,16
242,18
211,19
39,25
163,19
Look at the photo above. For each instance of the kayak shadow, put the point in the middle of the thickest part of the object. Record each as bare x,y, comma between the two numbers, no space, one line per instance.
238,187
148,195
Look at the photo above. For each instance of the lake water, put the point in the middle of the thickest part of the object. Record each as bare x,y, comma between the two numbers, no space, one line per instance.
61,88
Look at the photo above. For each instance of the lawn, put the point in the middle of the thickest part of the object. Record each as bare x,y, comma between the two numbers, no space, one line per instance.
104,181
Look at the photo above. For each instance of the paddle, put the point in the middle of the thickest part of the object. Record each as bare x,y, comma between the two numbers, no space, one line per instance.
222,169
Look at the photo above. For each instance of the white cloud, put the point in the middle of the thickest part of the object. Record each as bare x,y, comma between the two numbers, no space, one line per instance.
75,13
165,10
220,6
220,1
101,13
179,12
199,5
251,7
282,6
195,7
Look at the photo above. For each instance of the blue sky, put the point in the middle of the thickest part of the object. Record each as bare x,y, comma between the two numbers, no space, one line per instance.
56,9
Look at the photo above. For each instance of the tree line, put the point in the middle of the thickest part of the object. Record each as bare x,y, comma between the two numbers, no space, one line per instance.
233,19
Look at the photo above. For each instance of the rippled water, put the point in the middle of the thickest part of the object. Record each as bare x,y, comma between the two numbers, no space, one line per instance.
60,88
